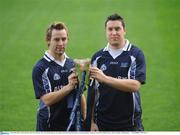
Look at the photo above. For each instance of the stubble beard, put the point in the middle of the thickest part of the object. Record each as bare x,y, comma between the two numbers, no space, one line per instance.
115,43
59,53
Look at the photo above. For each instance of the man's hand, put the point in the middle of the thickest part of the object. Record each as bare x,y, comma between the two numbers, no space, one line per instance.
97,74
73,80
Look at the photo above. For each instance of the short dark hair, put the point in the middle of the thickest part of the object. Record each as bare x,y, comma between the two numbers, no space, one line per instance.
56,26
115,17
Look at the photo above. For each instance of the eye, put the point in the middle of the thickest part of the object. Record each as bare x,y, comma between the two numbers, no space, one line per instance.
56,39
64,39
110,29
117,28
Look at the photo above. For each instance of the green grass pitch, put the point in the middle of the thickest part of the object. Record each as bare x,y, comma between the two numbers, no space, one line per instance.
153,25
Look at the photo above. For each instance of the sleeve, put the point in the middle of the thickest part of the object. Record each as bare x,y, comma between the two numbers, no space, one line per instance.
93,61
37,75
140,68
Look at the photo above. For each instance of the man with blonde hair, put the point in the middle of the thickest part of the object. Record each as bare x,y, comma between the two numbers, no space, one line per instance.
55,82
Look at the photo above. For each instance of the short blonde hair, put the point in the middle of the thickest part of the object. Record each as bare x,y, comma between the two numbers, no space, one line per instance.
56,26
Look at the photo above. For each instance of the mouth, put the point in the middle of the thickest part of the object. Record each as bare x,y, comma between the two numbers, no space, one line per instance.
114,38
59,49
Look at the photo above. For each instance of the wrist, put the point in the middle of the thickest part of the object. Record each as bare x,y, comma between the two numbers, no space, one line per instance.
68,87
105,79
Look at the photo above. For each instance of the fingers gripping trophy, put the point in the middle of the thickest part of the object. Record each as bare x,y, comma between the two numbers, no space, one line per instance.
76,117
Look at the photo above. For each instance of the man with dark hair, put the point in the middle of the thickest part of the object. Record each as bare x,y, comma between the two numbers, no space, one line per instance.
54,82
118,71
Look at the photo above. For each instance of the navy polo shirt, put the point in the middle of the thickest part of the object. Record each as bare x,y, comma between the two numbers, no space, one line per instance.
114,108
49,76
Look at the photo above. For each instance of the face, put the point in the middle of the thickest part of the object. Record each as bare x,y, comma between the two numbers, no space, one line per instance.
115,33
58,42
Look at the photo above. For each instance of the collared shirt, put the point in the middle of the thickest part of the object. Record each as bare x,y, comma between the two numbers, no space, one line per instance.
116,108
48,76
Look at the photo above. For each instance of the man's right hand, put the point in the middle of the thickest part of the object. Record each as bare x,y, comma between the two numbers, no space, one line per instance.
73,80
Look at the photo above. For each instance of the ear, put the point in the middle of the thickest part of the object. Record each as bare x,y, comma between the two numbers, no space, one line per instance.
124,31
48,42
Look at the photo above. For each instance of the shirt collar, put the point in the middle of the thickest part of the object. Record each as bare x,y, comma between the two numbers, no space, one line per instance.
126,47
50,58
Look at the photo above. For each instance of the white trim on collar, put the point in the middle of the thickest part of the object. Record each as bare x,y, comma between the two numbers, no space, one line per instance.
116,52
126,47
50,58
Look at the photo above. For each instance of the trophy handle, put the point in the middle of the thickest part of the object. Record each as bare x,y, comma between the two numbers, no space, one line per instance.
83,63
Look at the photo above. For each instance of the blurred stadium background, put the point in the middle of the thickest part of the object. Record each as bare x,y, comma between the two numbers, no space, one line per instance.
153,25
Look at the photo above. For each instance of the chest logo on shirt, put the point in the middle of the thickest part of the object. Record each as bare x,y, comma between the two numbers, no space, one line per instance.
124,64
103,67
64,71
56,76
113,63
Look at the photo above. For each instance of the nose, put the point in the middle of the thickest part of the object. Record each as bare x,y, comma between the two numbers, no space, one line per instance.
60,42
113,31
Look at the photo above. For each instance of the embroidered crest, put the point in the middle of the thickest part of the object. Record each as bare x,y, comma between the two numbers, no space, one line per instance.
56,76
103,67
